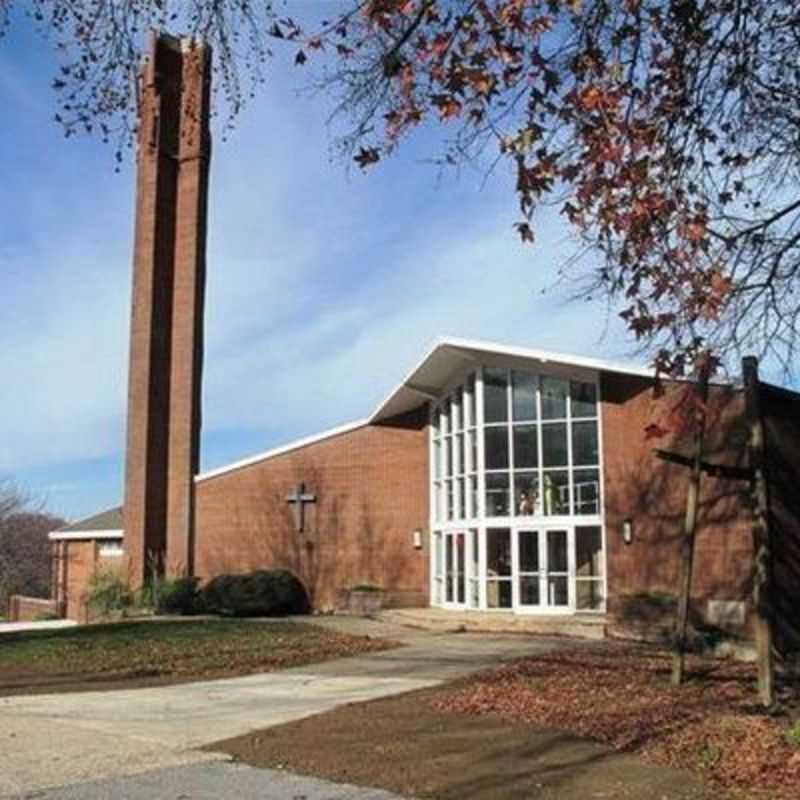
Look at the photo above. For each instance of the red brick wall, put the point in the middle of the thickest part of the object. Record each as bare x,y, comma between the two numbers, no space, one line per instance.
30,609
78,560
652,493
372,492
781,413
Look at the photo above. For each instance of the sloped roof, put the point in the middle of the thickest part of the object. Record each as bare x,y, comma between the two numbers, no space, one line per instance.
107,524
449,355
429,377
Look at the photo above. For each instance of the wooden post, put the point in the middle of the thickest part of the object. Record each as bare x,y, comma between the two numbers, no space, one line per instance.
762,562
689,527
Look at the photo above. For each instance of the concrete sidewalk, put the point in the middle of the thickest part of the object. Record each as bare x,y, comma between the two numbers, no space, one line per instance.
50,740
212,782
43,625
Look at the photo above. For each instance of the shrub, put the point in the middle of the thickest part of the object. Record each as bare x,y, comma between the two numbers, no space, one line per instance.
109,593
176,595
264,593
793,734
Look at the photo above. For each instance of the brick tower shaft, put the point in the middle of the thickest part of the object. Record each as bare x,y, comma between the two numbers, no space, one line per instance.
166,347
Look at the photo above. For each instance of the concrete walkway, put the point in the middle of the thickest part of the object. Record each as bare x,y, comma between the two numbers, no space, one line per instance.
51,740
44,625
212,782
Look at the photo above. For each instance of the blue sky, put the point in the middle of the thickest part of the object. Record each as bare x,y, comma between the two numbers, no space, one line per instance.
324,285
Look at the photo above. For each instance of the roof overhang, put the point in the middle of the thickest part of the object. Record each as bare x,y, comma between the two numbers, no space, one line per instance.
450,357
66,536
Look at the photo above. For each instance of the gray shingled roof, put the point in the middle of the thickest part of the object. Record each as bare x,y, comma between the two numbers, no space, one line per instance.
109,520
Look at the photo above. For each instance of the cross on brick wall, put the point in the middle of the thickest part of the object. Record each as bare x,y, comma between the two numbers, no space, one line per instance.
298,498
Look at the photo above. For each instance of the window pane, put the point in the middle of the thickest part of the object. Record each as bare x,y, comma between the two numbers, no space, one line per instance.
498,594
455,413
529,590
584,443
461,493
526,492
528,551
495,443
588,552
446,454
526,446
554,445
473,493
470,400
437,421
445,418
555,492
437,460
554,398
460,453
437,554
584,399
589,595
495,402
556,551
498,552
524,395
449,499
497,494
473,538
557,591
587,491
439,502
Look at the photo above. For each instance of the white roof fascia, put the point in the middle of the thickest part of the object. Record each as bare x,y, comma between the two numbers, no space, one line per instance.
66,536
543,356
286,448
599,364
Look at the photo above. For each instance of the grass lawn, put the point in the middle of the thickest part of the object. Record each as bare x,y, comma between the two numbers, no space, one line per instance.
141,653
583,724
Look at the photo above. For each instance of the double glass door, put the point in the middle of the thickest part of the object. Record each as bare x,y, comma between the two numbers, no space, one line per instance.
543,568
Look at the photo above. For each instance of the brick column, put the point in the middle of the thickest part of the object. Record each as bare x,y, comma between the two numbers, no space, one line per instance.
187,310
167,303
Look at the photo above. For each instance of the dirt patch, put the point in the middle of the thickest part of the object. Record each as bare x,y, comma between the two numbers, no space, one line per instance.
404,745
131,655
622,697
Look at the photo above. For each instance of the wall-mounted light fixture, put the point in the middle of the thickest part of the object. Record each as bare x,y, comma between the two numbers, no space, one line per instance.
627,530
416,537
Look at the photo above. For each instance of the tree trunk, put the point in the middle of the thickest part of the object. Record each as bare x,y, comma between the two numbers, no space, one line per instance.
762,566
689,527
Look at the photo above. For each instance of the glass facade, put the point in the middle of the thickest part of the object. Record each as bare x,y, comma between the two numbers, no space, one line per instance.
516,495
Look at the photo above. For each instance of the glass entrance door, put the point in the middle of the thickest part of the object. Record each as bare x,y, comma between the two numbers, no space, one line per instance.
542,572
557,569
455,559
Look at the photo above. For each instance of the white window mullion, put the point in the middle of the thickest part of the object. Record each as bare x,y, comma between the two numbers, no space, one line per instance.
539,509
479,428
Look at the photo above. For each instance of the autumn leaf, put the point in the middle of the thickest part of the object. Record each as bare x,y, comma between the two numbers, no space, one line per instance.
525,232
367,156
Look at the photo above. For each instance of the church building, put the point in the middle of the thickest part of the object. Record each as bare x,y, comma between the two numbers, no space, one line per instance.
494,478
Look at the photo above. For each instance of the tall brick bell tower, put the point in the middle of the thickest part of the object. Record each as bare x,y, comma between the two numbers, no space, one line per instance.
166,349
